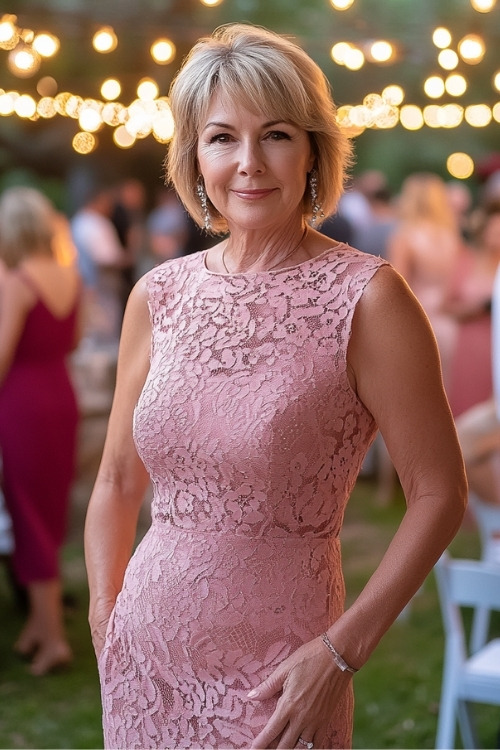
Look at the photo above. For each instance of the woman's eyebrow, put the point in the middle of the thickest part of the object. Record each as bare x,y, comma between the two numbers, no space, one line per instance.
227,126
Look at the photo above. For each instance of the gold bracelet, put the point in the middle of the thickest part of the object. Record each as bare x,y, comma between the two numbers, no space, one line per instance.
339,661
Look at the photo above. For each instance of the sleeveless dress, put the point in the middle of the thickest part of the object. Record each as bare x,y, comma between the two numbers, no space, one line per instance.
38,433
253,439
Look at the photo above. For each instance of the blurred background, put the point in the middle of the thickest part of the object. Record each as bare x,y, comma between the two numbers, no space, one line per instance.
84,86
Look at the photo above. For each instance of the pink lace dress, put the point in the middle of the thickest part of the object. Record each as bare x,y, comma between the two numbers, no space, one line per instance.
253,439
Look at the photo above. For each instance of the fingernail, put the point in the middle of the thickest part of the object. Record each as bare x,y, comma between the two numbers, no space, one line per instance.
252,694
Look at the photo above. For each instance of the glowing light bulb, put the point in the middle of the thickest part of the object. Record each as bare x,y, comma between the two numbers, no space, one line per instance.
471,49
46,44
483,6
441,37
434,87
342,4
105,40
163,51
23,61
448,59
382,51
111,89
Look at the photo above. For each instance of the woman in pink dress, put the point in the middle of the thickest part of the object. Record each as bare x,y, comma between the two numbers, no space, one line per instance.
251,380
39,303
469,302
424,248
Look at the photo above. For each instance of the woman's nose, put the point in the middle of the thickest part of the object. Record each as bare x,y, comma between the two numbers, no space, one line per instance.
251,160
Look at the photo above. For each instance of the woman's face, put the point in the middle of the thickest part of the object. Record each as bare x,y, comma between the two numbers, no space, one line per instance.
255,168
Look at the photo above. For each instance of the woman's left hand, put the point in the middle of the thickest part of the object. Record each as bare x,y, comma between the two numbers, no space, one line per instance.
310,684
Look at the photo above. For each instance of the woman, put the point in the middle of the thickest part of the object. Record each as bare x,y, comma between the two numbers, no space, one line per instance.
252,375
469,302
424,248
39,300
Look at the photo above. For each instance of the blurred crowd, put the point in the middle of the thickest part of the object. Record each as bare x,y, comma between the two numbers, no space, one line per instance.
443,239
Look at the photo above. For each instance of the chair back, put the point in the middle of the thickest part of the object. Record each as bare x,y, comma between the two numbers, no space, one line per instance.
465,583
487,517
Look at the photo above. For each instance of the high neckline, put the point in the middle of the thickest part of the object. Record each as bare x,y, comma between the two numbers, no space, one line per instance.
271,271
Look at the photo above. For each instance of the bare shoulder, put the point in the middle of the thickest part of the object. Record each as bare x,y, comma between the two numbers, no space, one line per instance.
388,299
15,292
391,337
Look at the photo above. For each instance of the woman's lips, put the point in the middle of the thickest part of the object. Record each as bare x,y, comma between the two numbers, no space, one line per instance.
253,194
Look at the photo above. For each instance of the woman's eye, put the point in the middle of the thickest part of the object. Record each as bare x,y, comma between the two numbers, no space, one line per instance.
220,138
278,135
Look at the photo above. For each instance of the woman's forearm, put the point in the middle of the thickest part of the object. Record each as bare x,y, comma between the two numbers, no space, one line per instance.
425,531
110,531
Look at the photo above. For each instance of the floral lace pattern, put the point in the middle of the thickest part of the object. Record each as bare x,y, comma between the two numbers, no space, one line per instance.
253,439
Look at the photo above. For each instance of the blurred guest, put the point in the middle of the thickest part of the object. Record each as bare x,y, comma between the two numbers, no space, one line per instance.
168,227
460,198
373,237
129,218
39,305
101,259
424,248
469,301
338,228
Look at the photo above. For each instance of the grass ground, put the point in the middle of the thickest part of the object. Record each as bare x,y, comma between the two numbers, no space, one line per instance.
397,692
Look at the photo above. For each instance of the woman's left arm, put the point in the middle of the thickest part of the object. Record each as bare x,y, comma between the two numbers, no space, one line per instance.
394,368
16,300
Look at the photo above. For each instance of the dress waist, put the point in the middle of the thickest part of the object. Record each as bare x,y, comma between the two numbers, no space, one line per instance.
163,527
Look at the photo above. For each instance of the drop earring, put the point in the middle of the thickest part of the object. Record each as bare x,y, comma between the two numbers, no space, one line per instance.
202,195
317,211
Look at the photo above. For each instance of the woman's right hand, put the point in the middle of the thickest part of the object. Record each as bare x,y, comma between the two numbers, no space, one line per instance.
98,621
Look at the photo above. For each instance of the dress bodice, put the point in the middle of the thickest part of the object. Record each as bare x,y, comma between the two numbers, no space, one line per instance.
252,427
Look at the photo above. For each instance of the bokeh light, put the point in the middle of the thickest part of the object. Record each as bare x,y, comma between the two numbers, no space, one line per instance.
441,37
163,51
471,49
460,165
105,40
111,89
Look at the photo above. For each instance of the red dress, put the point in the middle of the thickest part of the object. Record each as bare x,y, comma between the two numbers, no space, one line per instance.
38,430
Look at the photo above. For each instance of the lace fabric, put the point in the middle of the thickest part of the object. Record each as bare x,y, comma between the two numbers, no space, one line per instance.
253,439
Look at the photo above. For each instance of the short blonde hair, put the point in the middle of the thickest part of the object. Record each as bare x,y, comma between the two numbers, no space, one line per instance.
27,224
265,72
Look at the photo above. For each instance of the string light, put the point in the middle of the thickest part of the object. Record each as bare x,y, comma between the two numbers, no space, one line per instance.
448,59
111,89
47,45
471,49
381,51
105,40
460,165
434,87
23,61
483,6
150,114
9,35
163,51
441,37
342,4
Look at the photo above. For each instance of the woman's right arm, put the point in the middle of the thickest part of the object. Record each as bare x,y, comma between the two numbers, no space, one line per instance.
121,483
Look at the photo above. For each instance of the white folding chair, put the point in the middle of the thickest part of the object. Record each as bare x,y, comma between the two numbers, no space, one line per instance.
467,678
487,517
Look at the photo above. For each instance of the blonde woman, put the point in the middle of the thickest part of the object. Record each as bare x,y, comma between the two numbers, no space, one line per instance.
251,380
425,248
39,303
